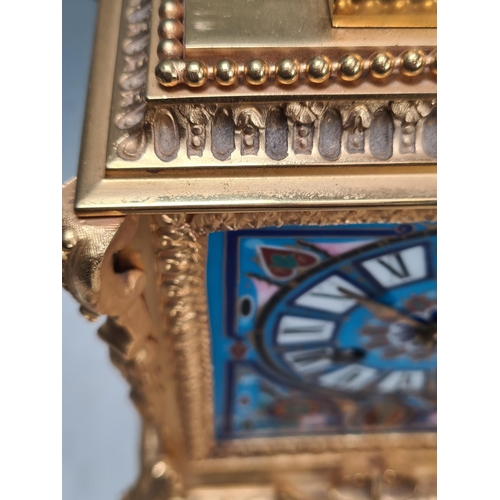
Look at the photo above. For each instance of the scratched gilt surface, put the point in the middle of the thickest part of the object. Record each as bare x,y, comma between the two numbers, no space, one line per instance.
100,426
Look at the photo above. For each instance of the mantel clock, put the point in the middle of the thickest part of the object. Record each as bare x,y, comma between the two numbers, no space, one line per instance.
255,214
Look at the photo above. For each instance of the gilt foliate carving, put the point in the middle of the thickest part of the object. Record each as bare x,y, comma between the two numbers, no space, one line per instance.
84,245
383,131
130,118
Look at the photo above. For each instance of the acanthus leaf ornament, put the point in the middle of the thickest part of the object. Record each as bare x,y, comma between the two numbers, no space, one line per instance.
249,123
130,119
194,119
356,120
410,113
303,116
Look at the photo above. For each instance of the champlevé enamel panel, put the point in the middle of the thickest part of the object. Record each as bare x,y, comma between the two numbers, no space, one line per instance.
323,330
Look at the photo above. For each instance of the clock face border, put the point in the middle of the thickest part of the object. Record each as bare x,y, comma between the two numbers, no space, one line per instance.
194,382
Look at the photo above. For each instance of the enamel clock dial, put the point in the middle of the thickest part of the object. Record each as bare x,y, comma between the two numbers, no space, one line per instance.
357,324
324,329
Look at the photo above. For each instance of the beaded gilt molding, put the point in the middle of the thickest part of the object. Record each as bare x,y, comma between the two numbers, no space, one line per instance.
173,70
180,241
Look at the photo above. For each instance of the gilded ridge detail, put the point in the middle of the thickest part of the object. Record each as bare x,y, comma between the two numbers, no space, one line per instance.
180,263
132,81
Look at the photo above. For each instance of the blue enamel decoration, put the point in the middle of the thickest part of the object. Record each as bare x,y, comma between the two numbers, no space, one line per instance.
323,330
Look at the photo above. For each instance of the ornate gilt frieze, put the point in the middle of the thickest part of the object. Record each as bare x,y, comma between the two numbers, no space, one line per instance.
319,132
223,147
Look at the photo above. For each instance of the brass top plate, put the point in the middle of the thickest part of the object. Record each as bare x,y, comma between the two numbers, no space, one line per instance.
384,13
272,30
258,24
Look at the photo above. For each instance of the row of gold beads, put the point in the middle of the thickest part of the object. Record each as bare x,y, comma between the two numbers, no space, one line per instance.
172,70
397,5
171,29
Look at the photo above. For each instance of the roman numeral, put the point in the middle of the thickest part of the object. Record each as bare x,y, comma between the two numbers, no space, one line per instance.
406,381
298,330
350,378
326,296
310,361
398,268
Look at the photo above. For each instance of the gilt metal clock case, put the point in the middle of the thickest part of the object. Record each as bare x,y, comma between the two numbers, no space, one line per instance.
255,214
